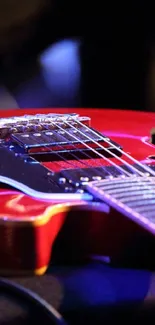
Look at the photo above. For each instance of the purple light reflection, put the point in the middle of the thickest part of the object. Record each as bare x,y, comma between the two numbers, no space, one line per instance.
143,139
123,135
146,141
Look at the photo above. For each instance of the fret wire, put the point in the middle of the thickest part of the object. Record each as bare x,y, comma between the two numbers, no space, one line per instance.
150,201
128,183
124,204
142,209
123,196
128,189
145,196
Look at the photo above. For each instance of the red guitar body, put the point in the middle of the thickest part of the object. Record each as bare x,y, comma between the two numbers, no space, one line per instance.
30,229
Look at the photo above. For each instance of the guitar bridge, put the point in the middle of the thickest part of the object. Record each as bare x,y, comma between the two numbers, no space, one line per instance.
51,134
35,123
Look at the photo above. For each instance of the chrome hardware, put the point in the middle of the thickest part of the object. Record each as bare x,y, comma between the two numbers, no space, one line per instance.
38,122
62,180
96,178
84,180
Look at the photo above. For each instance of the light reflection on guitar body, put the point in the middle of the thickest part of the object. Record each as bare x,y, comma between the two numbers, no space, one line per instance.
31,228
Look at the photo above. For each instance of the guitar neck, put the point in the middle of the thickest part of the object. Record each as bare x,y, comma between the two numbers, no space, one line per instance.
134,197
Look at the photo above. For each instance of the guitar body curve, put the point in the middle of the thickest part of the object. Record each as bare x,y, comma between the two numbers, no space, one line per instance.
32,228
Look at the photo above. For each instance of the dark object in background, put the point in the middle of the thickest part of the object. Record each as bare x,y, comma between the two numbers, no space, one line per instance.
18,22
117,38
115,55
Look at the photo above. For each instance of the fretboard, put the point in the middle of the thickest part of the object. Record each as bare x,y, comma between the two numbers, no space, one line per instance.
134,197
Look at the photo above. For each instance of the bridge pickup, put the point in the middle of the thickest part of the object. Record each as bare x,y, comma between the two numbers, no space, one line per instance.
64,141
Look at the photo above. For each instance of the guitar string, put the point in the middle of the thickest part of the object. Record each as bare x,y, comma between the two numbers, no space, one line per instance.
61,146
141,174
71,126
86,154
74,155
105,149
98,144
95,151
120,169
147,169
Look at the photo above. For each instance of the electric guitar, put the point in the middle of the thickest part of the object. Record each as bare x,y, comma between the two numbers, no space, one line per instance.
82,180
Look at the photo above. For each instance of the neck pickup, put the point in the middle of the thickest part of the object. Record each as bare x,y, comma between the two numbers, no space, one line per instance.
134,197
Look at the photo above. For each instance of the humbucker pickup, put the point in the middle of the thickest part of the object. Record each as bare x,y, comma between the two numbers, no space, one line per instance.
56,133
58,140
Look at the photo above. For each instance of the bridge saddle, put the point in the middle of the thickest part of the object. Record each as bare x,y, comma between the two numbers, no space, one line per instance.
38,122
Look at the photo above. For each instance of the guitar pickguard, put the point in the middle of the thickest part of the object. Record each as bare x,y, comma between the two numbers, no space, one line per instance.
32,174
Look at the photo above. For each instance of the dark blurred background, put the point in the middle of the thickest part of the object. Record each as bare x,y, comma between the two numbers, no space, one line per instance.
58,53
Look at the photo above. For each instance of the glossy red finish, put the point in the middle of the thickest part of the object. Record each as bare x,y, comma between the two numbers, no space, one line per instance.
31,229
